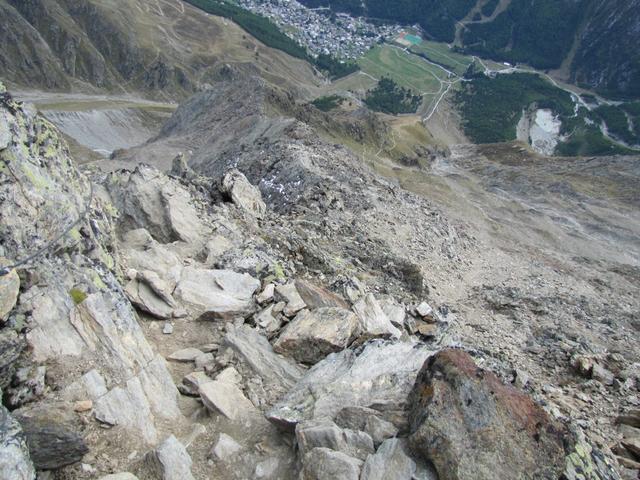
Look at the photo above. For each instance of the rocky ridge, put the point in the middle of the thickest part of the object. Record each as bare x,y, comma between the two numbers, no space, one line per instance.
270,289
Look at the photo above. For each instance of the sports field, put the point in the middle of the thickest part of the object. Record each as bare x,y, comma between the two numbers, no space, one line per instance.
405,69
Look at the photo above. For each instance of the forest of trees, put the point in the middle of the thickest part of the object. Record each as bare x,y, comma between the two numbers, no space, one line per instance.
389,97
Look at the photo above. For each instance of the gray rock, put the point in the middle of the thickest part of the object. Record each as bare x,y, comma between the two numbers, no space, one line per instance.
395,312
217,293
120,476
229,375
167,329
367,420
5,133
147,198
226,447
278,374
203,360
327,464
390,462
243,194
379,375
192,382
289,294
15,463
151,294
424,309
267,294
312,335
267,320
11,346
225,398
170,461
9,290
266,468
52,435
602,375
188,354
27,385
374,323
216,247
326,434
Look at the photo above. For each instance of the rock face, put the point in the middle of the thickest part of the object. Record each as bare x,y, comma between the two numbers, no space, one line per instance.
217,293
15,462
312,335
472,426
52,437
76,312
379,375
243,194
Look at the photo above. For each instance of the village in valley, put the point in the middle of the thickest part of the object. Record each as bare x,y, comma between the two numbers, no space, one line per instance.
322,31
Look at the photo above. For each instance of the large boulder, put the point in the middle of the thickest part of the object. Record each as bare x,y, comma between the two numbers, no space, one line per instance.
326,464
277,374
312,335
472,426
217,293
15,463
52,435
242,193
379,375
147,198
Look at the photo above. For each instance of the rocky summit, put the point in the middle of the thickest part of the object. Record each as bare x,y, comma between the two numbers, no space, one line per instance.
264,278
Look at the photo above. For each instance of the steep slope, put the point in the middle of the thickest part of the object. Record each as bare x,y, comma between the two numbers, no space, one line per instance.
605,59
164,49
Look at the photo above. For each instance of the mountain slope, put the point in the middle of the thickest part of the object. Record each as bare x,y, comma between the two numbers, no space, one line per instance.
608,58
541,33
165,49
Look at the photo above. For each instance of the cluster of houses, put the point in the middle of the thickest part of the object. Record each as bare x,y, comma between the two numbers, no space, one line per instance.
320,30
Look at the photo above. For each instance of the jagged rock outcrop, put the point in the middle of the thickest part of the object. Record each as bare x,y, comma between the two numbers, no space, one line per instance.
378,375
72,304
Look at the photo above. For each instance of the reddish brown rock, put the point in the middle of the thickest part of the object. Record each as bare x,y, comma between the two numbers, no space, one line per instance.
472,426
318,297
